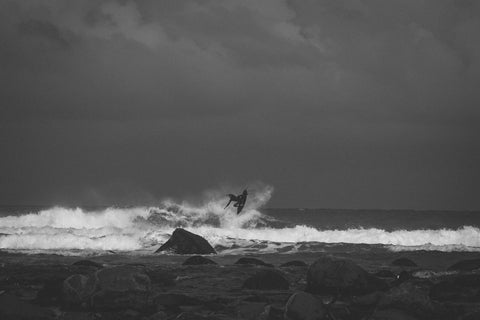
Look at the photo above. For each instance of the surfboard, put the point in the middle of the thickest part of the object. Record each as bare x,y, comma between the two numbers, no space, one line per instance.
241,204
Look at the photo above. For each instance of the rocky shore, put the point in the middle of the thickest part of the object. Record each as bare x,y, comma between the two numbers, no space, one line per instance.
341,286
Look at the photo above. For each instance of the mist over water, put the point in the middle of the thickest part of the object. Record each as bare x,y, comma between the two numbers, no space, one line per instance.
143,229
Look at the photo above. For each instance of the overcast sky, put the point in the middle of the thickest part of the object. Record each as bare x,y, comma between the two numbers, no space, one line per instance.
336,104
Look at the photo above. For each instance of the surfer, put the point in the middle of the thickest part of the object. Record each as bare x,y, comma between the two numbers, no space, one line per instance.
239,200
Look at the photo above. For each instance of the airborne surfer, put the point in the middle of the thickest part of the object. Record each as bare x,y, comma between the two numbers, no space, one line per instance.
239,200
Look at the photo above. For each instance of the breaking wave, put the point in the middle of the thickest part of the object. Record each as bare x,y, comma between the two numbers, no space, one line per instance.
145,228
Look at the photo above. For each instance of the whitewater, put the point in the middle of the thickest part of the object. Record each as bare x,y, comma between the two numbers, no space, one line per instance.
143,229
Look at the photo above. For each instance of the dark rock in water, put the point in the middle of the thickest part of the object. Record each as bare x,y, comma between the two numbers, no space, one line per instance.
12,308
253,261
184,242
88,263
412,298
267,280
385,273
466,265
77,289
197,260
459,288
294,263
162,277
332,276
403,262
304,306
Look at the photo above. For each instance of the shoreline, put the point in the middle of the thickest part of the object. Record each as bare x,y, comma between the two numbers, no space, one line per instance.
219,288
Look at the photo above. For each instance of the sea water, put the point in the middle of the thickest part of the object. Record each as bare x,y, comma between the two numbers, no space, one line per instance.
258,229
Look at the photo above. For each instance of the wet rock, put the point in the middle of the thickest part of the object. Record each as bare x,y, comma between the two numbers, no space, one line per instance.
459,288
253,261
332,276
465,265
294,263
197,260
412,298
88,263
12,308
403,262
184,242
123,287
266,280
123,278
304,306
77,289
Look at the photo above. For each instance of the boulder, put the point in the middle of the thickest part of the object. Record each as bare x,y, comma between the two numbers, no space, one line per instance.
267,280
122,287
184,242
253,261
465,265
77,289
412,298
294,263
403,262
332,276
197,260
88,263
123,278
304,306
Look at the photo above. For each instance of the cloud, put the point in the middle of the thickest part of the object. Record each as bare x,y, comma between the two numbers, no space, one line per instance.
289,77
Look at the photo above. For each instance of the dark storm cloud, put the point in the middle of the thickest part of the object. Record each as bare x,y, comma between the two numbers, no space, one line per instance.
336,103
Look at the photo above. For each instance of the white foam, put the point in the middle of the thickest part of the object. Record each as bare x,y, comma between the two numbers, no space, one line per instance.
144,227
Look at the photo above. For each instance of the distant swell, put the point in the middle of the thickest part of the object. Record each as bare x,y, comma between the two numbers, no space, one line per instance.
145,228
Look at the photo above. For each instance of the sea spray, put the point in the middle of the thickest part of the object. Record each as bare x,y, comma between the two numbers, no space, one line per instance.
145,228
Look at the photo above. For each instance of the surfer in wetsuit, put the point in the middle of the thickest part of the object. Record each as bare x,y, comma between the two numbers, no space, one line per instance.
239,200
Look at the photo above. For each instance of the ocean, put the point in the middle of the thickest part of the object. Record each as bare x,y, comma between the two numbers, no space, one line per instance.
258,229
